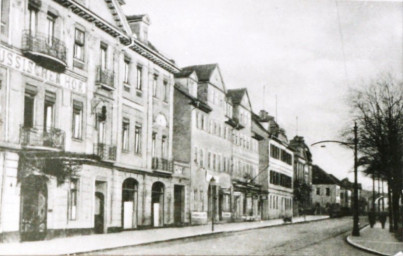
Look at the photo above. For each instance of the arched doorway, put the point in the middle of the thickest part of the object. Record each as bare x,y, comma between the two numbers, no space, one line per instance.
129,203
157,204
34,196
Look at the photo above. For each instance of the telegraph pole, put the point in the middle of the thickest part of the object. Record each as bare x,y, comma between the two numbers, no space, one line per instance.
356,229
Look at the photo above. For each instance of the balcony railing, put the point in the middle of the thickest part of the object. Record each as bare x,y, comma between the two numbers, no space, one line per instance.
105,152
40,137
48,52
105,78
162,164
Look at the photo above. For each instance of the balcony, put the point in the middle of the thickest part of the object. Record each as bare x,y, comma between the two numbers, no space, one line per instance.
47,52
105,78
105,152
234,123
162,164
39,137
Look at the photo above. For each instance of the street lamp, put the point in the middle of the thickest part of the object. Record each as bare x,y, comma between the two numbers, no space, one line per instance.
212,183
356,230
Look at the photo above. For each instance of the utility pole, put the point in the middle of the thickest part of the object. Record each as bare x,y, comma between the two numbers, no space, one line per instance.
356,229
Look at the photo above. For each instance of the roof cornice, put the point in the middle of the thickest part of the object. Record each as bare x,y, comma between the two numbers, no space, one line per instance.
138,47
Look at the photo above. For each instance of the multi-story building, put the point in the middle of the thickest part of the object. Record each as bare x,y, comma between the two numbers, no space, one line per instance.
86,121
276,166
326,188
245,157
208,137
302,175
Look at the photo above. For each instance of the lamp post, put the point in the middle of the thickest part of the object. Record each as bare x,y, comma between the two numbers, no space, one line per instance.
212,183
356,230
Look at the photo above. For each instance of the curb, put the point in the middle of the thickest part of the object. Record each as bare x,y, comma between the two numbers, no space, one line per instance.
191,236
363,248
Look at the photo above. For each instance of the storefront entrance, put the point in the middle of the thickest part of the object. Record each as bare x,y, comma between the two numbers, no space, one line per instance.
157,204
34,196
129,203
179,204
99,213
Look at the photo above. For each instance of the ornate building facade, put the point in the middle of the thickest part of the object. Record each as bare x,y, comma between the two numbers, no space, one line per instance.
86,122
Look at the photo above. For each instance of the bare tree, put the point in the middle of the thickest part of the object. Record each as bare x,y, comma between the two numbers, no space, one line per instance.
378,110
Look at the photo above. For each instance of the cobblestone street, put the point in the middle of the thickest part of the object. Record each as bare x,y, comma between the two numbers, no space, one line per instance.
321,238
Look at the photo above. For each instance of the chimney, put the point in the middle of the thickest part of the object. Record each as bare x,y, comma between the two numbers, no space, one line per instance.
139,25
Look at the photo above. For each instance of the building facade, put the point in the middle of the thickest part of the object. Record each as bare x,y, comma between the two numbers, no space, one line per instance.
212,133
276,165
86,122
302,175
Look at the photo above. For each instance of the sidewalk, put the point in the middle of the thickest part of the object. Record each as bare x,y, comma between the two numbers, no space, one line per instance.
81,244
376,240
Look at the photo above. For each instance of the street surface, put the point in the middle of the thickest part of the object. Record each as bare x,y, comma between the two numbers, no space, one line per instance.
318,238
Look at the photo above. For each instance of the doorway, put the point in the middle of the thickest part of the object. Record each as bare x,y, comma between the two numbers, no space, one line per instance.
157,204
99,213
178,204
34,196
129,203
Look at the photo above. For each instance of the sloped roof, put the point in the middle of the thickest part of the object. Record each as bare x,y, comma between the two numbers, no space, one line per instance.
203,72
236,95
184,73
320,176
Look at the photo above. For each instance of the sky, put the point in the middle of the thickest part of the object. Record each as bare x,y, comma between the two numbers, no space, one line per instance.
306,54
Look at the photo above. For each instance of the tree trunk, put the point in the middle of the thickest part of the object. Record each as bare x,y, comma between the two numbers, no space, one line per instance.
390,210
396,212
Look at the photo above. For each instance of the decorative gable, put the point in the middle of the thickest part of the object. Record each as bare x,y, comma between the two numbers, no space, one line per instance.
217,80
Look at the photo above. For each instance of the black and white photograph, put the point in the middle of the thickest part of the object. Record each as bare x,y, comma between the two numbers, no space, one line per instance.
201,127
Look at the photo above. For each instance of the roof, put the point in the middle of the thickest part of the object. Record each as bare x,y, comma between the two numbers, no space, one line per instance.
203,72
184,73
320,176
236,95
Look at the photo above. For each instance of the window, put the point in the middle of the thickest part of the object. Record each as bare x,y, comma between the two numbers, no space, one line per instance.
318,191
139,81
155,80
201,158
208,160
327,191
166,91
195,157
154,144
77,119
125,135
79,42
73,199
137,139
274,152
286,157
164,146
5,9
49,121
33,14
103,57
101,119
29,110
126,71
50,28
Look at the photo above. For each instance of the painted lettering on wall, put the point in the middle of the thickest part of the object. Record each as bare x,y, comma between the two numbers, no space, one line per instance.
25,65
